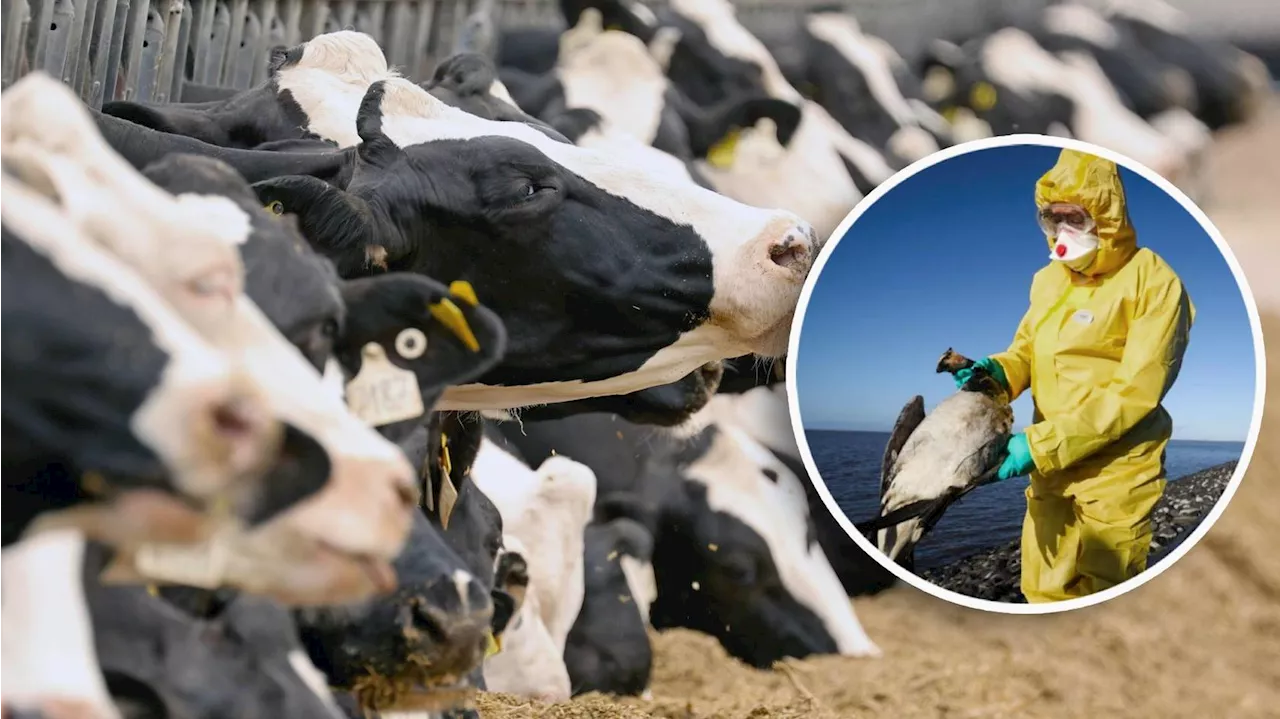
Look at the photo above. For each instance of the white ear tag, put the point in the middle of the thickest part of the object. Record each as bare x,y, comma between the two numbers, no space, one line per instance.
200,565
382,393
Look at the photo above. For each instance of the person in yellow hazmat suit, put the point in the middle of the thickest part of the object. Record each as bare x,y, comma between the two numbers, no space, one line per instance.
1099,347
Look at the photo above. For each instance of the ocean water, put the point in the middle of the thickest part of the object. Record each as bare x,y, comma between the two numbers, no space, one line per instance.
849,463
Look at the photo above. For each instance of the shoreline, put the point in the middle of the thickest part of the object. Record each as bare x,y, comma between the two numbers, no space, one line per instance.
993,574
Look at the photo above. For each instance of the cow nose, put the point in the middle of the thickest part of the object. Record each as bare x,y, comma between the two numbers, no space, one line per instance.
247,430
795,248
453,616
238,438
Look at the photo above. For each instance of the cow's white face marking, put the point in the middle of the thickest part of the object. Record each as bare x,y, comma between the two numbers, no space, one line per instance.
753,296
546,511
1079,21
48,650
718,20
732,472
614,74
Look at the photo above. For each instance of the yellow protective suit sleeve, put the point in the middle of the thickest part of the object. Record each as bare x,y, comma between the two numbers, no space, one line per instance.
1016,361
1156,341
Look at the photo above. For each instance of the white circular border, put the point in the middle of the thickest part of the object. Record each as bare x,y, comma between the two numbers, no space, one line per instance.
793,396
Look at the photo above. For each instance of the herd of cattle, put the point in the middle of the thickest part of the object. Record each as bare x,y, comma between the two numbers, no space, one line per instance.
351,394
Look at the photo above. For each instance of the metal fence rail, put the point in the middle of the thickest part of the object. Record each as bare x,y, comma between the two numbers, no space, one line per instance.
169,50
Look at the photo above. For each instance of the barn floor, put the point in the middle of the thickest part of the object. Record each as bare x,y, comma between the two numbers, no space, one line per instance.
1203,639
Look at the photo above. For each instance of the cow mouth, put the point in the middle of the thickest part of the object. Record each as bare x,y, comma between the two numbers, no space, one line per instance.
326,574
387,697
773,342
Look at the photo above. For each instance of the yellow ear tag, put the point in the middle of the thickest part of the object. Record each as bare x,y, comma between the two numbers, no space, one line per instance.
949,113
275,207
721,154
982,97
464,291
613,26
448,314
446,462
448,492
493,644
383,393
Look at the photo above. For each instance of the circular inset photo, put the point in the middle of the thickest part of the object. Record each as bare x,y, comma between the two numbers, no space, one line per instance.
1029,374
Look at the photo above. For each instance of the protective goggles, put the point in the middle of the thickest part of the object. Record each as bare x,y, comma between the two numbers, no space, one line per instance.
1055,214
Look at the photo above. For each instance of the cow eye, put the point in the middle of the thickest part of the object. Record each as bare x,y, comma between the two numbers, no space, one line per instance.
740,571
330,328
216,282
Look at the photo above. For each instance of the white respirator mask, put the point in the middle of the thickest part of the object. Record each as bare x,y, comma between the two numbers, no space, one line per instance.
1074,248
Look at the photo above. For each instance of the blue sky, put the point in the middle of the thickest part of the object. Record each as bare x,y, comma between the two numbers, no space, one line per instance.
945,260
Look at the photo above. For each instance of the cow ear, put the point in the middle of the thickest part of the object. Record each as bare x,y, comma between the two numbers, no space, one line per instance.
504,609
335,223
747,112
944,53
628,505
442,335
632,539
625,15
375,147
173,119
466,73
575,123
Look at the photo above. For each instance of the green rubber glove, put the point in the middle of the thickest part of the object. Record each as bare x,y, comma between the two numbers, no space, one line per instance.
990,364
1019,460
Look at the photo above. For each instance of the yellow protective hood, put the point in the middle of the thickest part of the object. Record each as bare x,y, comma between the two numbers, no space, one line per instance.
1093,183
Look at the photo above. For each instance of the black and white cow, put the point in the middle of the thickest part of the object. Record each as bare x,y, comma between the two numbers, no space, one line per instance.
761,413
526,189
735,552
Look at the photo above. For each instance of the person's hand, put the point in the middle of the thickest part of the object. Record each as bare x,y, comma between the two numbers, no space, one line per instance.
992,367
1019,461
